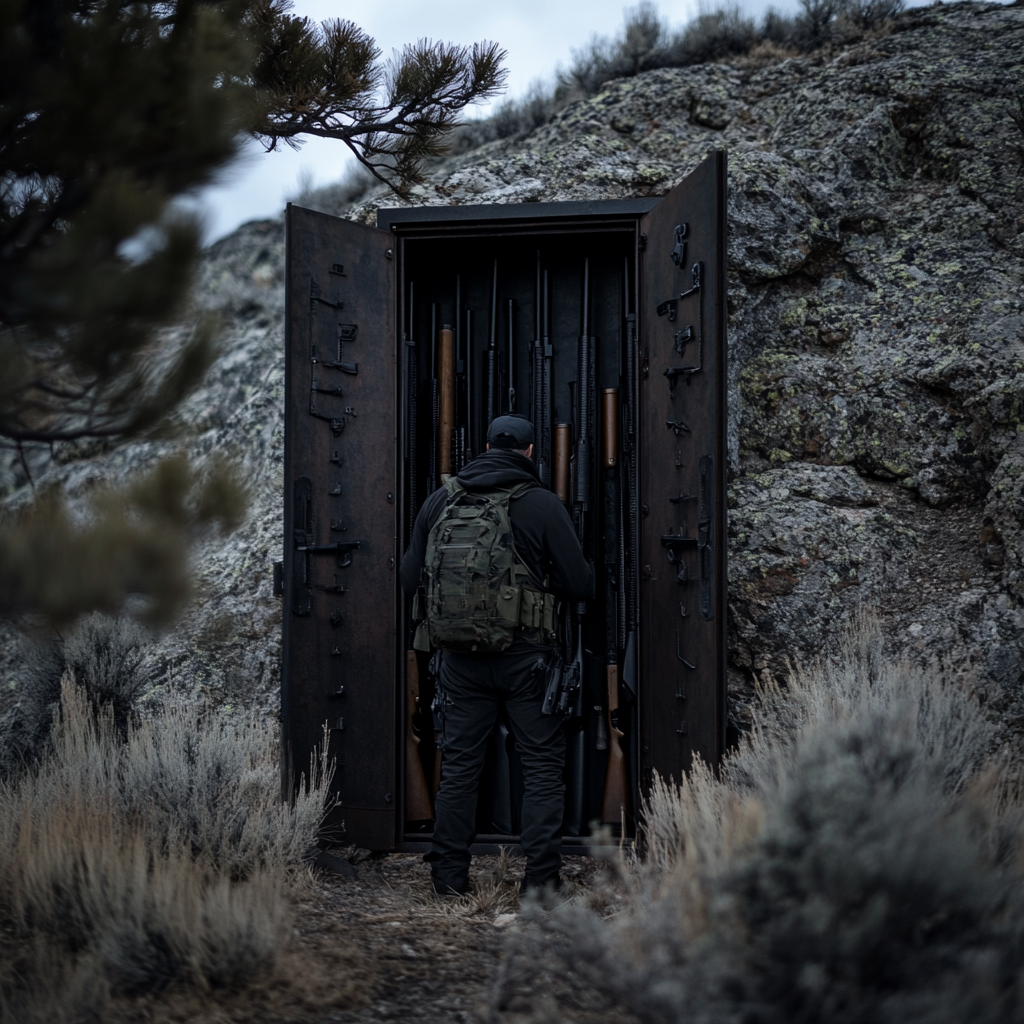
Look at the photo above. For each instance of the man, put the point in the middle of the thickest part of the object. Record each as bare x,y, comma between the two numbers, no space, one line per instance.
477,685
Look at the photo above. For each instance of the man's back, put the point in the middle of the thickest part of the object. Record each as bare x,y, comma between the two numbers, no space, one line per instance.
541,528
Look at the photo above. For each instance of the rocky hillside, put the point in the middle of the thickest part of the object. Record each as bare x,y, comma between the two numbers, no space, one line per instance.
876,338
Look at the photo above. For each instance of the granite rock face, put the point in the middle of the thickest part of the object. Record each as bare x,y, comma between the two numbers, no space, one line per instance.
876,337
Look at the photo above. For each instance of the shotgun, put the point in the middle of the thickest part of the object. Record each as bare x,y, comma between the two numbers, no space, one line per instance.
583,399
575,818
545,391
537,381
629,664
616,786
511,358
471,445
417,795
459,458
446,419
411,395
492,356
560,466
435,405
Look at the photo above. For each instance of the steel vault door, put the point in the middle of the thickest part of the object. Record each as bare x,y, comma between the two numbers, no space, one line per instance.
340,524
683,589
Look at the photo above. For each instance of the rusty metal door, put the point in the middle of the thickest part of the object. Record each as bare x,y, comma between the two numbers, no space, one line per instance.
682,474
340,524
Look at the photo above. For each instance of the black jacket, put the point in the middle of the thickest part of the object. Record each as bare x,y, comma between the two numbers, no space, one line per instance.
544,536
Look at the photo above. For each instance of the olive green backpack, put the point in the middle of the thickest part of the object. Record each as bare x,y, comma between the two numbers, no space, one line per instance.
476,590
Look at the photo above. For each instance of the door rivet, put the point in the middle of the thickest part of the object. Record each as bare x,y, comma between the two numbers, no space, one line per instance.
391,497
390,254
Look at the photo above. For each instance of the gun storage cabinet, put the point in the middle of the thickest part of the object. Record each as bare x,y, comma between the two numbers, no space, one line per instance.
605,323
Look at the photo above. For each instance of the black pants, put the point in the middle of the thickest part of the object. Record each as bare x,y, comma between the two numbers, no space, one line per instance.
475,688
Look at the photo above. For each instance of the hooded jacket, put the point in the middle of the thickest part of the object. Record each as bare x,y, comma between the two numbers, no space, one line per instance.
541,528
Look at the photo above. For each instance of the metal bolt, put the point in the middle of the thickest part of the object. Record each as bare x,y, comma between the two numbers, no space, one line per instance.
390,254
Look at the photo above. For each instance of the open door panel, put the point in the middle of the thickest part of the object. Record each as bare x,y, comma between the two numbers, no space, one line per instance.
340,522
683,474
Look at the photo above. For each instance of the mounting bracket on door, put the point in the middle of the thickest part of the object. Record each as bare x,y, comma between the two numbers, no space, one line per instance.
343,549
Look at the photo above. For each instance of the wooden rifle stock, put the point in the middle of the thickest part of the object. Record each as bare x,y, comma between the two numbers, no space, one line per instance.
417,796
560,467
616,803
446,418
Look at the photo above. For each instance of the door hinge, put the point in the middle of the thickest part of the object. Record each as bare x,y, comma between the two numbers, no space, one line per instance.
641,243
279,579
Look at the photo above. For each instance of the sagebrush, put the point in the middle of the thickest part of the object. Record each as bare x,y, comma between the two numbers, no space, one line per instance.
646,42
147,858
856,860
110,658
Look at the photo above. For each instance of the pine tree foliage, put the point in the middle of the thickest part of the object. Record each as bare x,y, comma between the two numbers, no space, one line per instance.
112,112
328,80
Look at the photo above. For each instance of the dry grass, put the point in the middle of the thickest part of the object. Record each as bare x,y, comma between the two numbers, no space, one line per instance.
856,860
146,862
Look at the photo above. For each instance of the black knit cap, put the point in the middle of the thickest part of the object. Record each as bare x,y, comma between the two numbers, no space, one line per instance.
512,431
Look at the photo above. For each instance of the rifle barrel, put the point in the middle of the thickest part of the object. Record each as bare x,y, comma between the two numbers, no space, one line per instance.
545,405
492,355
583,397
511,358
412,392
446,419
470,422
435,404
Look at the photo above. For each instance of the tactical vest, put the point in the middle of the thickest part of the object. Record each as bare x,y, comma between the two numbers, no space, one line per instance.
476,589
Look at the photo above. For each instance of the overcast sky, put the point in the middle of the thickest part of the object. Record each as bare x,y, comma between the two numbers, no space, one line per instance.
538,35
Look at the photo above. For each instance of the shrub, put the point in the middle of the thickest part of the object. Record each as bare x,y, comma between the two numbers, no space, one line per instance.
646,42
714,35
147,859
854,861
109,658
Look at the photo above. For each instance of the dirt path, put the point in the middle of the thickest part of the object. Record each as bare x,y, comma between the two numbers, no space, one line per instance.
380,947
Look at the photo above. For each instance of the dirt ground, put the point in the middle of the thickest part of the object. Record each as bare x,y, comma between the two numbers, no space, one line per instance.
383,947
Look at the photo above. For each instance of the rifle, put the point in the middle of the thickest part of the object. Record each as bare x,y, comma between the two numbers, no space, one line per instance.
435,405
492,355
460,384
446,420
580,402
470,440
411,395
576,754
545,391
511,358
584,380
629,668
417,795
537,384
616,786
563,448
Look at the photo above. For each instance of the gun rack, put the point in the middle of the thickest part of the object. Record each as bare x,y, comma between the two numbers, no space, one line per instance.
604,322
